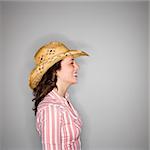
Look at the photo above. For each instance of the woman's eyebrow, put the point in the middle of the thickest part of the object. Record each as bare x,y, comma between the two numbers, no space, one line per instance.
71,60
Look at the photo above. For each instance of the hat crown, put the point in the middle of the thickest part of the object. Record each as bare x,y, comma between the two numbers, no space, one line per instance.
49,51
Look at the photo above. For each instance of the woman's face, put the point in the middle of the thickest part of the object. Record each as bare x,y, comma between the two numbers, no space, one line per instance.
68,72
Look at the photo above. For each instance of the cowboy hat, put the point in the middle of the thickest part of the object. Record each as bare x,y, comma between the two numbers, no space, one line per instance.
47,56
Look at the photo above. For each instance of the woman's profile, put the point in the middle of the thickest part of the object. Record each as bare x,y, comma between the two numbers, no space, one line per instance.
57,121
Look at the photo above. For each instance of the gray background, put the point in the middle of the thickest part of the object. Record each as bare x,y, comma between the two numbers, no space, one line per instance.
1,97
149,73
112,91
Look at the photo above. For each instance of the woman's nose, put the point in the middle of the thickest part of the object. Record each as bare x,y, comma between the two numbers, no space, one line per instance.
76,65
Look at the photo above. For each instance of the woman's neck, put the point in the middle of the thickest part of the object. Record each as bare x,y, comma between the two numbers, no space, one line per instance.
61,90
62,87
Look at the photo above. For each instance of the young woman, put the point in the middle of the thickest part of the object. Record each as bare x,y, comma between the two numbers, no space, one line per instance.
57,121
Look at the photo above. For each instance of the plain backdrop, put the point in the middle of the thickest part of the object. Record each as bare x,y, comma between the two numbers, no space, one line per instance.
149,73
112,90
1,72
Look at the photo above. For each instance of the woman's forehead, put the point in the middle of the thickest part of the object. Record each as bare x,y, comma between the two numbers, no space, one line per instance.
68,58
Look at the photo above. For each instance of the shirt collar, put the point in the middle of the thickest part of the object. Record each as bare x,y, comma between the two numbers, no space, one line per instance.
55,95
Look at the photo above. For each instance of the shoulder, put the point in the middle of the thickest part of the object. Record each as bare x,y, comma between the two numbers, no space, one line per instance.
49,104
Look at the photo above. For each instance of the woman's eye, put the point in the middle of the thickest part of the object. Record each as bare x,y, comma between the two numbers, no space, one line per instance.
71,62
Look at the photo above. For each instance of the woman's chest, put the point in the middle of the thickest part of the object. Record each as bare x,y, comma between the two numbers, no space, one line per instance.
71,124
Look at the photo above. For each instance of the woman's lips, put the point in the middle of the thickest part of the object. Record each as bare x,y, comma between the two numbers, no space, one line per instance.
75,74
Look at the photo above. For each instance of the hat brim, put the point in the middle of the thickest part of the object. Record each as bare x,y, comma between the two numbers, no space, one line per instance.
38,72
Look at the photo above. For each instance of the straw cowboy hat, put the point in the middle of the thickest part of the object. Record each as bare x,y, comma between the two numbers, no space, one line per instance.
47,56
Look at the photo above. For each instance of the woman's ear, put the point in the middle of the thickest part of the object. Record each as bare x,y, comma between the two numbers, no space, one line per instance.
57,73
53,76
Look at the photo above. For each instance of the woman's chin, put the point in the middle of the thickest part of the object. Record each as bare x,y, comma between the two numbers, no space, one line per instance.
74,81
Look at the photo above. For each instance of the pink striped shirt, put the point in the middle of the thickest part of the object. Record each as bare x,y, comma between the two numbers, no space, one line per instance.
58,123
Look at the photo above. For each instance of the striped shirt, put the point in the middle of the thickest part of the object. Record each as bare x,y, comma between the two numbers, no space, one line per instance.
58,123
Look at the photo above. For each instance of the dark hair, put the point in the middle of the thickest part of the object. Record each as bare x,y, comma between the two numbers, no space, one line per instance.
47,83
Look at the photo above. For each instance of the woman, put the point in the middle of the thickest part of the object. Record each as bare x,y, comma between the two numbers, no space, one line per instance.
57,121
